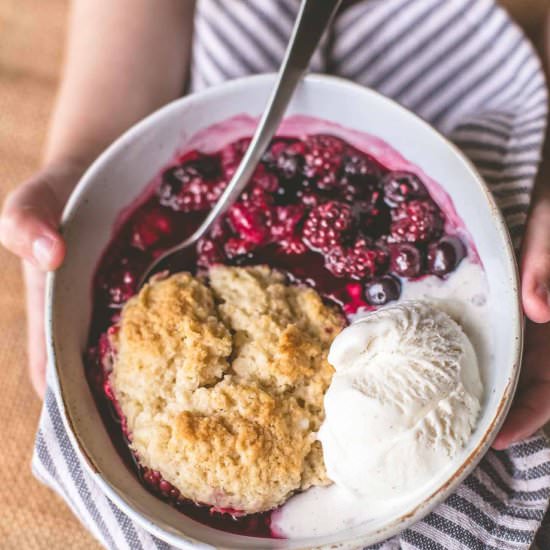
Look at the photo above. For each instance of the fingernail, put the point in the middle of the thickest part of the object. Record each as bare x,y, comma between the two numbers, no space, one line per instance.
42,251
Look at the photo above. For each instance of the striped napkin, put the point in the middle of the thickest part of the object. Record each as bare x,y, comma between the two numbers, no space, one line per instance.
465,67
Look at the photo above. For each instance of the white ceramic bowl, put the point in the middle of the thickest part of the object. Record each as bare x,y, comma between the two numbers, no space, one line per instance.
120,175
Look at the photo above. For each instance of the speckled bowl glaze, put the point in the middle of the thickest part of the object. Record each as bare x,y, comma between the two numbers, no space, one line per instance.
120,174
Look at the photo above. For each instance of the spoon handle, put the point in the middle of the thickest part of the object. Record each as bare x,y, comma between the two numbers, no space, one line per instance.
311,23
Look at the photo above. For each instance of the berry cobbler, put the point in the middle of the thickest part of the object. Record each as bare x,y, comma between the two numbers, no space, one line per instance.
211,380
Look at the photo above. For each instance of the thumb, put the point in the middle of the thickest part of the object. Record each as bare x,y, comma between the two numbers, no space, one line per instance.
29,221
535,264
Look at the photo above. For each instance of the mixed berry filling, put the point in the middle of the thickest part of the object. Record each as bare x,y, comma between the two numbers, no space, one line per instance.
318,209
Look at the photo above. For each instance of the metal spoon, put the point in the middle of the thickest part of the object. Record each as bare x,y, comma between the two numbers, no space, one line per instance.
312,21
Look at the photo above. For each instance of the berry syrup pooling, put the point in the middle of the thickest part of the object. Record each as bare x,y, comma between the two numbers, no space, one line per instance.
323,212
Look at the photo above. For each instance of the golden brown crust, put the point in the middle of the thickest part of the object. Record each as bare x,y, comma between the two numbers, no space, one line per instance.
223,385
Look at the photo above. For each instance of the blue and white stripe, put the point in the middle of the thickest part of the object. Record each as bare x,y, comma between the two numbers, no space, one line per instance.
466,68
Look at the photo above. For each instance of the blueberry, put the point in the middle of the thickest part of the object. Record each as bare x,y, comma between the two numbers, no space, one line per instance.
445,255
402,186
406,260
383,290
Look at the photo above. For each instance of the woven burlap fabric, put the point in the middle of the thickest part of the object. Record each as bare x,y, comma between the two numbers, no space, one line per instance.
31,39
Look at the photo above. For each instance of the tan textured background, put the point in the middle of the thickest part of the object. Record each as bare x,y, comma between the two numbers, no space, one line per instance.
31,40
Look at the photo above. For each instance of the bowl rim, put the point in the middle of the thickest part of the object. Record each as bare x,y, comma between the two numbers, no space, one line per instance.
164,531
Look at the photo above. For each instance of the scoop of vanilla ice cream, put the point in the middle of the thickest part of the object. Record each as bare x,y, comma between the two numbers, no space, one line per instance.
403,401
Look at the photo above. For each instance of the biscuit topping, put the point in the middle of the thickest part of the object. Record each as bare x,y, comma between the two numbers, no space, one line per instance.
221,383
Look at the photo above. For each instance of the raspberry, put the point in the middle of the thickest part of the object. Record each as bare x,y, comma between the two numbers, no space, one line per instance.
158,484
255,198
151,227
285,230
357,165
209,252
286,158
403,186
352,298
264,180
151,477
323,159
416,222
361,261
220,230
236,248
210,248
193,185
120,281
293,245
214,192
308,198
286,221
250,223
360,176
123,288
327,225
